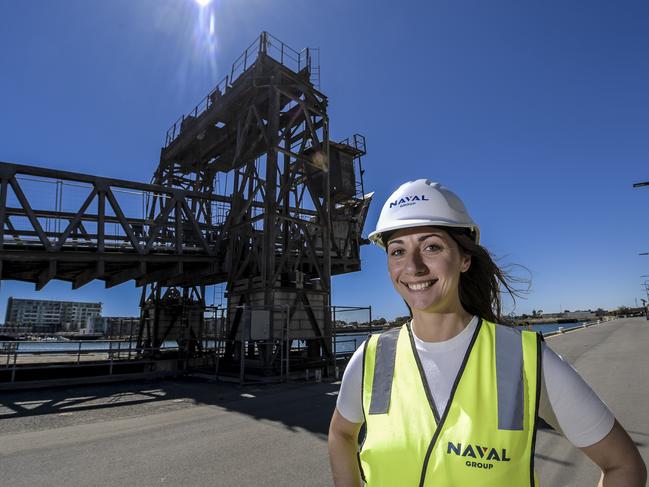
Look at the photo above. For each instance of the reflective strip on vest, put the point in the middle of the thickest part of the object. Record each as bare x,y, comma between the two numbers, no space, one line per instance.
509,374
485,436
386,352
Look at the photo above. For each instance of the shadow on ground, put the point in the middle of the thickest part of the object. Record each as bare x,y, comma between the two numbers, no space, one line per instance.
295,405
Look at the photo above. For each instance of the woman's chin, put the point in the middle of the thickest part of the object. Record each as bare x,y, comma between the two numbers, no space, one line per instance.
424,306
430,306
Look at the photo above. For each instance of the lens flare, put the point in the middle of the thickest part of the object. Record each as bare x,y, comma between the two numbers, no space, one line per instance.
205,34
212,24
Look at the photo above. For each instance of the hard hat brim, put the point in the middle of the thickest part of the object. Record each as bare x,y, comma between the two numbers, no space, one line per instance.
376,236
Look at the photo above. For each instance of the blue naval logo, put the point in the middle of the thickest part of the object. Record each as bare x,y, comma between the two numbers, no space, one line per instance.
478,452
408,200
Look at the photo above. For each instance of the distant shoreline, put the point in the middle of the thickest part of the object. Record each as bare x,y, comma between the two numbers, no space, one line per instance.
537,321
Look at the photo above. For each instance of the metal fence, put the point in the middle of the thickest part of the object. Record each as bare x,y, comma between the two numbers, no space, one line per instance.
273,343
27,355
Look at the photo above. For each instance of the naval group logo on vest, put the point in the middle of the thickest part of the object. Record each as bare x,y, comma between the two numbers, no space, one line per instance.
485,453
408,200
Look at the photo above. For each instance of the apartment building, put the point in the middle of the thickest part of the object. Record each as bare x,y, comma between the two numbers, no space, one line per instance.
50,316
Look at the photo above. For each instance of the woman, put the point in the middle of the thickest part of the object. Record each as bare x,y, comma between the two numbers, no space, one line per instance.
451,398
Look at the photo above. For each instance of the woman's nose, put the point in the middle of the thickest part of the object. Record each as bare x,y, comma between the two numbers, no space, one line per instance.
415,264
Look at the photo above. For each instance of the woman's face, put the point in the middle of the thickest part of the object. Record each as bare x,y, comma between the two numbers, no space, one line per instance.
425,264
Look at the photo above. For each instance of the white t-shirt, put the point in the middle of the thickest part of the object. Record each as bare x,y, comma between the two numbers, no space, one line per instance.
567,403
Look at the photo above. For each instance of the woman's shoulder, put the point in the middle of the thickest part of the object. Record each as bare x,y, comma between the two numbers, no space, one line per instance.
511,328
506,327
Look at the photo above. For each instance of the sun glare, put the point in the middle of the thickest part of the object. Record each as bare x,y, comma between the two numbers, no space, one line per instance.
205,31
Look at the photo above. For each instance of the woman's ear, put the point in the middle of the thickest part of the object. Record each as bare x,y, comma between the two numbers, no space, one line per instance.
466,263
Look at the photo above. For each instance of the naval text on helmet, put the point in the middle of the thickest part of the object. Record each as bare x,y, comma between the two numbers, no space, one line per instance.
408,200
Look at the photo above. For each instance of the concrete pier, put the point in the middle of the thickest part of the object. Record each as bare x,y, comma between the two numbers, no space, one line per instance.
194,432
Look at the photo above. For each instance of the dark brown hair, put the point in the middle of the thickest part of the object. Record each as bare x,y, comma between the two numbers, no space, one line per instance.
484,283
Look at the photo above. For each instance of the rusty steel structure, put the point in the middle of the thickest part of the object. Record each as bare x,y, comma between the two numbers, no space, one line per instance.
250,191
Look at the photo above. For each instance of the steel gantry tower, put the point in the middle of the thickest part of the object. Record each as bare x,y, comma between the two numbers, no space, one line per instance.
250,191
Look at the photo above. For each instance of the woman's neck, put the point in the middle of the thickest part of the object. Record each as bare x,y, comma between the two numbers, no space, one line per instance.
439,327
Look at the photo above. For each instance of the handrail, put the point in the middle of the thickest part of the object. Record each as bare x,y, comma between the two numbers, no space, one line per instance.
265,43
113,354
357,141
104,213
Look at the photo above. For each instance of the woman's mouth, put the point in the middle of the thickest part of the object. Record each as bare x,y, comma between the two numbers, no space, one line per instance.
419,286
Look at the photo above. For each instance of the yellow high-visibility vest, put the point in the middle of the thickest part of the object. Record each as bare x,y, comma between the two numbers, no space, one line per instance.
485,437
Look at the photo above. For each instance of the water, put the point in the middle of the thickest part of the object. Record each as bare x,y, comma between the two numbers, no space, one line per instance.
546,328
348,343
94,345
345,343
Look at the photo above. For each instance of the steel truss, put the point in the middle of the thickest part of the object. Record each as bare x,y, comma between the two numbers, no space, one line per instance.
78,247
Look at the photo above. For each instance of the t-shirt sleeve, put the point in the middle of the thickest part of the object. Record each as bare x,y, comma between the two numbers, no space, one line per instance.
349,403
582,416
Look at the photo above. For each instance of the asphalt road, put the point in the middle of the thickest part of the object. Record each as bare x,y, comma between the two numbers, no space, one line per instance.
196,433
176,433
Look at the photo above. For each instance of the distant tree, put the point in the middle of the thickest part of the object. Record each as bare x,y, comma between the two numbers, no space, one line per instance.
622,310
600,312
400,320
566,311
378,322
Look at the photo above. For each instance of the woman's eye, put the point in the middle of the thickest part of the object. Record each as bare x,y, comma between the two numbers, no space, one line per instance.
433,248
396,252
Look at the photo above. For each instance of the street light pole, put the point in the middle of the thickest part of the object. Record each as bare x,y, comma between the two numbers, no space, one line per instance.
646,287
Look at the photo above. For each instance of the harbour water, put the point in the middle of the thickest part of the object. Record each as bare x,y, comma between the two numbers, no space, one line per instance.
86,345
349,343
345,343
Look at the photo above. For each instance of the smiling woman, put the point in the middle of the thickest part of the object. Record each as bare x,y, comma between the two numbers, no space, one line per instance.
452,397
437,214
425,265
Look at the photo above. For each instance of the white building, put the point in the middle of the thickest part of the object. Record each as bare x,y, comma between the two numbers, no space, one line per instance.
50,316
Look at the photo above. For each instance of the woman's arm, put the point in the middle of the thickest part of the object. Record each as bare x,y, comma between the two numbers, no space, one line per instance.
619,459
343,447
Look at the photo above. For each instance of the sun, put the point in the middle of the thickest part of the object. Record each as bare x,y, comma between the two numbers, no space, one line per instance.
203,3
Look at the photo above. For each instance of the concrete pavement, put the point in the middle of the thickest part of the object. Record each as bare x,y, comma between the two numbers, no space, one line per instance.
173,433
614,359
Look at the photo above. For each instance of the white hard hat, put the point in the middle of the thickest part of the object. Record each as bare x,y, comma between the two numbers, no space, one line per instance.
423,203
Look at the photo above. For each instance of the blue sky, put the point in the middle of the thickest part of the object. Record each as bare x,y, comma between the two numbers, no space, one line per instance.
535,113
